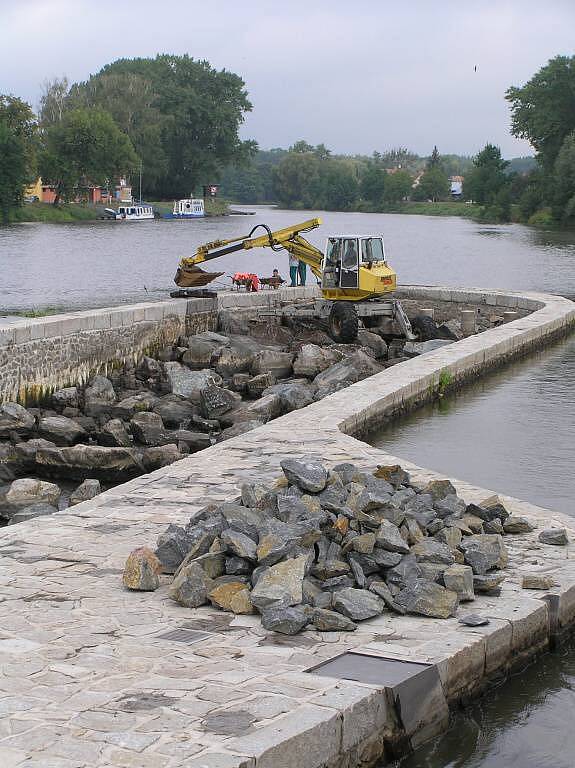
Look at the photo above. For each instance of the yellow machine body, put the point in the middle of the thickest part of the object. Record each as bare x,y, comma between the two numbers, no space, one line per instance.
352,269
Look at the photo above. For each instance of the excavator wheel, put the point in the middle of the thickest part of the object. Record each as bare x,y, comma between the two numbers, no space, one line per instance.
343,322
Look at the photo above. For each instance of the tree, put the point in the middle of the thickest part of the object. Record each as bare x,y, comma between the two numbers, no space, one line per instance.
131,100
564,181
435,160
400,158
397,187
301,147
338,187
195,114
17,152
543,110
296,180
86,147
53,101
487,177
433,185
372,184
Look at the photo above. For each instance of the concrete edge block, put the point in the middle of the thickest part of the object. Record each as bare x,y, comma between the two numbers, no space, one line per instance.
310,736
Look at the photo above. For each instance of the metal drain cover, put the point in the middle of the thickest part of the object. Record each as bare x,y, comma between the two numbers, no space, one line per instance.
183,635
416,688
369,669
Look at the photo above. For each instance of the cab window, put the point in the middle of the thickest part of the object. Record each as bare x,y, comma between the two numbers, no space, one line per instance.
372,249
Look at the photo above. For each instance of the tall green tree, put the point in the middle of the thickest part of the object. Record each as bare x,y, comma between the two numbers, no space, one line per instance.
564,181
372,184
435,159
53,101
182,115
338,186
17,152
397,187
296,180
433,185
543,110
487,177
85,147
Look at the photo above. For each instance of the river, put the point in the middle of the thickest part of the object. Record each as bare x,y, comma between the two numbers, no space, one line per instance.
512,431
103,263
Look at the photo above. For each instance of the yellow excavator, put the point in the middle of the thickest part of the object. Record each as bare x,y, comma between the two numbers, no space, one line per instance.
353,276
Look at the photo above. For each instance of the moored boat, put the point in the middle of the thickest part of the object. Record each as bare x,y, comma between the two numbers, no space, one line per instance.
132,212
187,208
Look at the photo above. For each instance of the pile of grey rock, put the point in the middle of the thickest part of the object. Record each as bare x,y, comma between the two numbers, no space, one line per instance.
205,388
330,548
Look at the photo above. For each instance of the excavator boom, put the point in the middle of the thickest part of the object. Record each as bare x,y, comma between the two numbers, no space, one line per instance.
190,275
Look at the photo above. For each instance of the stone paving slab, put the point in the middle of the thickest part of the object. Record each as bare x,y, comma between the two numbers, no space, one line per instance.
87,681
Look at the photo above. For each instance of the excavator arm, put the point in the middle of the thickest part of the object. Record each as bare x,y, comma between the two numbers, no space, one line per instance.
289,239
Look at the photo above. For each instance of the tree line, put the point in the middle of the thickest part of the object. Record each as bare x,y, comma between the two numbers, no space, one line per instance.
538,190
178,119
175,118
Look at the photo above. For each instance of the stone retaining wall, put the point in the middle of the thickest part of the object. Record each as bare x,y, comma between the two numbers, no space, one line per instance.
38,355
88,673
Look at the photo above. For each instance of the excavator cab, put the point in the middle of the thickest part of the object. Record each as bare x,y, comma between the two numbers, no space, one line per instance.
345,255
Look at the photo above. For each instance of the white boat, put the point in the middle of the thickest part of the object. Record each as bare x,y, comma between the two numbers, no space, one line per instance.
188,208
132,212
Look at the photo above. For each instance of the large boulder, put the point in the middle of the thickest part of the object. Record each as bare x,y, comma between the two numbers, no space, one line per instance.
61,430
26,491
65,398
280,585
81,461
312,359
358,604
293,395
279,364
148,429
203,349
426,598
484,552
143,401
175,410
307,473
286,621
142,570
15,419
85,491
374,344
263,410
114,433
236,358
215,401
99,396
189,383
161,456
353,368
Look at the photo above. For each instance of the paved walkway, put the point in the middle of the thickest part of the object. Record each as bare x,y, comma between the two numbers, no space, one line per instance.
88,677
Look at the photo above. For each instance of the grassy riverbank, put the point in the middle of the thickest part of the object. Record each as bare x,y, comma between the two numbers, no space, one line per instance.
56,213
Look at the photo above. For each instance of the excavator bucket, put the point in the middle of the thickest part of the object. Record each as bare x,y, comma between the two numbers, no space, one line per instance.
194,277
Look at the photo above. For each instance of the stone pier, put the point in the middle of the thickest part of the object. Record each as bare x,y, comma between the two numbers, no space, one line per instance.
92,675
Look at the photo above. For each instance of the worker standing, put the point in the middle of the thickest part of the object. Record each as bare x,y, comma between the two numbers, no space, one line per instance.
293,270
302,269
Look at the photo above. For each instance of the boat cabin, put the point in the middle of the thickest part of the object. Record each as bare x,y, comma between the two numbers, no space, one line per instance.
344,256
188,207
135,212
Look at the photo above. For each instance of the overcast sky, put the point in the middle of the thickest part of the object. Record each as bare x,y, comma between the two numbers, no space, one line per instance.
358,76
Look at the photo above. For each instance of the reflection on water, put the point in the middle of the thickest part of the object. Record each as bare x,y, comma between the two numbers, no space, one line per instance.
525,723
511,431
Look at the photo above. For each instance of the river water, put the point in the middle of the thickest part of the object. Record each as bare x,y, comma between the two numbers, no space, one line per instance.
512,431
103,263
